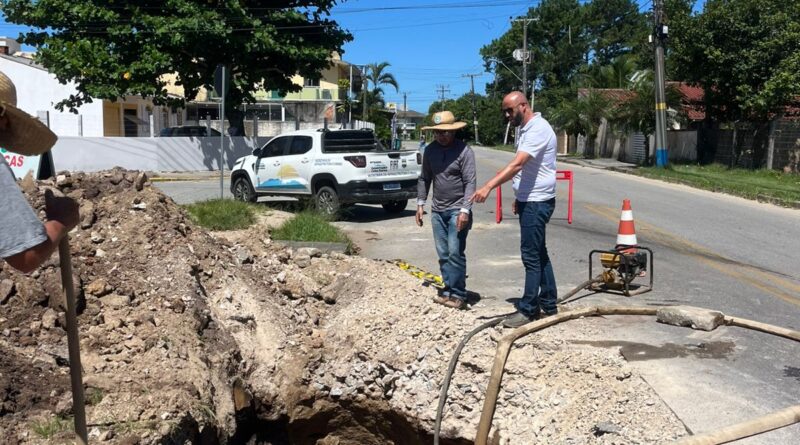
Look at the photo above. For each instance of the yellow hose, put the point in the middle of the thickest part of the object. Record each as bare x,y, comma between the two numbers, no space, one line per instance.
769,422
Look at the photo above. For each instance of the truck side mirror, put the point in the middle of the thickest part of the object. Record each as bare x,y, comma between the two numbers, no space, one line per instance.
257,152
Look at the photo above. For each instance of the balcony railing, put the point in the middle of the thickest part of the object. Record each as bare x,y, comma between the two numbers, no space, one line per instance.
308,93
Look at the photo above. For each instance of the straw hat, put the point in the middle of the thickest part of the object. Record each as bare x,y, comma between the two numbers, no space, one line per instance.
23,134
444,120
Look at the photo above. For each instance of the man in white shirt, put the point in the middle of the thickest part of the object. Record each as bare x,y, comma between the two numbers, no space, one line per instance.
533,170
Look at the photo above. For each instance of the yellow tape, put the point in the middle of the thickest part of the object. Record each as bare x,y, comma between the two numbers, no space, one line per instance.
428,277
661,106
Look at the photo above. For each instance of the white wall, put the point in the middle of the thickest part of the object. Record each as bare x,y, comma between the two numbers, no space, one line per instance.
150,154
38,90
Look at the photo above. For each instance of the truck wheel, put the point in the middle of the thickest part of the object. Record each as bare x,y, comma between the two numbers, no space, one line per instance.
243,191
395,206
327,201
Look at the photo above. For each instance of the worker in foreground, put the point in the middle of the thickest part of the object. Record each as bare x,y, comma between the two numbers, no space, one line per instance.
26,242
533,170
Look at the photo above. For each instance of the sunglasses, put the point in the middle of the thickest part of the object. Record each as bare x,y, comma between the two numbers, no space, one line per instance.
440,132
510,109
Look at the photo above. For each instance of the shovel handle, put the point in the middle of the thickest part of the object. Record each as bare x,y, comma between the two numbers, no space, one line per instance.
75,372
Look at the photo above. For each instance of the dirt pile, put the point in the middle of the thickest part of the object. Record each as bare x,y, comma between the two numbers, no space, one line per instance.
230,337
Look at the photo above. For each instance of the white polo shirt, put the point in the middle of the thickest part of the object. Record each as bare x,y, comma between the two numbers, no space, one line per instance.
537,180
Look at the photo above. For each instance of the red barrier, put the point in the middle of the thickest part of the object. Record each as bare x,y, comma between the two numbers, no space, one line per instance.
566,175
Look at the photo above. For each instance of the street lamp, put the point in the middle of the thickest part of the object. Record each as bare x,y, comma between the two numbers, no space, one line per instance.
496,60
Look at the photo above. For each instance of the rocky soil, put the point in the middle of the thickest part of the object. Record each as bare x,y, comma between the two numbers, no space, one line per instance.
196,337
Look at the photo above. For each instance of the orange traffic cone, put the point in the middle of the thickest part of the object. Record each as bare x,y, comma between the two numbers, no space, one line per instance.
626,235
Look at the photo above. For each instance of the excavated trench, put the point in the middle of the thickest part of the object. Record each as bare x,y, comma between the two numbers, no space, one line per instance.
328,423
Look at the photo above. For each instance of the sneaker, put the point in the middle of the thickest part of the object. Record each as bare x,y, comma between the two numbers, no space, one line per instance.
519,319
455,303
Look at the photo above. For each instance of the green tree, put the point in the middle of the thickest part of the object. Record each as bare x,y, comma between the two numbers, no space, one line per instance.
112,49
616,74
615,28
568,39
637,112
558,44
583,116
744,53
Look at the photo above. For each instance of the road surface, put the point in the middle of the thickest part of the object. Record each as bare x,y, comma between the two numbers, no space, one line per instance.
711,250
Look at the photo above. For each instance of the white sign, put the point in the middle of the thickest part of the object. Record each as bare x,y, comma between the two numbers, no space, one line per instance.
21,164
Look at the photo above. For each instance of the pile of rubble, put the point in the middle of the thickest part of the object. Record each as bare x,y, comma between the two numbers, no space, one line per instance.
231,338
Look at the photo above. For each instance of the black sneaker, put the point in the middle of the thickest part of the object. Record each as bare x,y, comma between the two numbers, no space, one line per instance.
519,319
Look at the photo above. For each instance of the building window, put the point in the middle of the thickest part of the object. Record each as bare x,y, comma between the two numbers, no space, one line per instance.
130,126
311,82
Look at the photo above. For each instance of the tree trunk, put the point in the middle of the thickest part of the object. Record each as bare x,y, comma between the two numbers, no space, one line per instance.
760,141
707,139
734,158
235,122
590,141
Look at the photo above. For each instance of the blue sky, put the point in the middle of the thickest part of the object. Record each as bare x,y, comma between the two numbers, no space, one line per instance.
429,43
430,47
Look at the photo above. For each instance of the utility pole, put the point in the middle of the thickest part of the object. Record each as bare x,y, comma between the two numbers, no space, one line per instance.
405,101
525,56
443,89
474,109
364,86
659,37
350,100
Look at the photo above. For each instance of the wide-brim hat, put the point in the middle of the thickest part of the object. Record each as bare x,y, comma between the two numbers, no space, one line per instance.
24,134
444,120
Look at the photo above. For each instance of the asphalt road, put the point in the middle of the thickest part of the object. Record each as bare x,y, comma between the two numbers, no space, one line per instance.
711,250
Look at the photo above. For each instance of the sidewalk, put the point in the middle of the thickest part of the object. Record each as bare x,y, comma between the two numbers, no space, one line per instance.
602,163
186,176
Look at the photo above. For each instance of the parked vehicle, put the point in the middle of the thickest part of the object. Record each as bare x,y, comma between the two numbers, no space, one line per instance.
333,167
196,131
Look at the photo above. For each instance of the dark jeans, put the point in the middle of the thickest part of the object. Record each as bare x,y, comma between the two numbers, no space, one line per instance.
450,246
540,283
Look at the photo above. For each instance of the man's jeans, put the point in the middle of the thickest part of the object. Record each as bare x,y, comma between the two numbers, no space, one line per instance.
450,246
540,283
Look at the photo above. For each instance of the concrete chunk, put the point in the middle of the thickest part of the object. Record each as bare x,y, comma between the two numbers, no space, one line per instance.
691,317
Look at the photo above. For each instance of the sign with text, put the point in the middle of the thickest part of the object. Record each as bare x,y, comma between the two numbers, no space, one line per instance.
21,164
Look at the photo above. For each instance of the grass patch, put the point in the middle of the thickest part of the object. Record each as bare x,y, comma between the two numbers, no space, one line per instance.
753,184
94,396
48,428
223,214
313,227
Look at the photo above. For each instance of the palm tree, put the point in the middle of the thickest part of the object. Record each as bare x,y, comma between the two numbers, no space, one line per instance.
637,112
377,76
583,116
616,74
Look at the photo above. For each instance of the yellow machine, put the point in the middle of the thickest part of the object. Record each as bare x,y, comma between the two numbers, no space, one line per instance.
620,268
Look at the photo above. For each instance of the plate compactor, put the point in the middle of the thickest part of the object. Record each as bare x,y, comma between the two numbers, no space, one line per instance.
621,267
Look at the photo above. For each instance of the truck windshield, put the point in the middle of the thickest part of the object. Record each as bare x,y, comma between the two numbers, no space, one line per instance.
349,141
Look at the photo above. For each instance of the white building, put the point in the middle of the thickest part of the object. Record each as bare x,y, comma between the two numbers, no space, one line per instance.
38,91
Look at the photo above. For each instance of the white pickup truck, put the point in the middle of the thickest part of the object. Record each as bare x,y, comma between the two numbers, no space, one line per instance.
334,167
